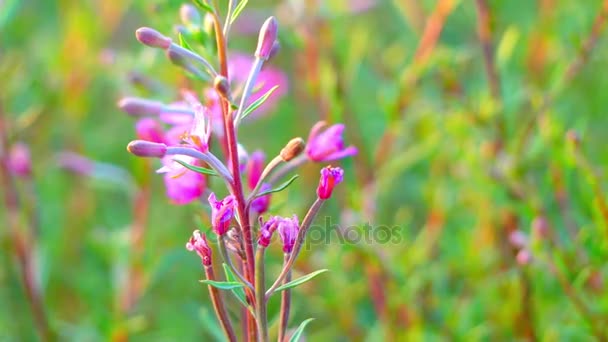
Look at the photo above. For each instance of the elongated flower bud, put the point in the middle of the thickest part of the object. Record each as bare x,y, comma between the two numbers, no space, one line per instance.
198,243
137,106
330,177
267,37
221,213
220,83
142,148
151,37
293,149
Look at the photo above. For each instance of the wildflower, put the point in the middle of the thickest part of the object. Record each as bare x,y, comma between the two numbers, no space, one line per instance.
198,243
152,38
327,145
330,177
19,160
221,213
288,231
182,185
267,229
262,203
255,166
150,130
267,38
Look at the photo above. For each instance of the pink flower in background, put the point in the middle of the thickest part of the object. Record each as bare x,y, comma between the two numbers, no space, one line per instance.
255,166
262,203
288,231
327,145
19,160
150,129
198,243
267,229
182,185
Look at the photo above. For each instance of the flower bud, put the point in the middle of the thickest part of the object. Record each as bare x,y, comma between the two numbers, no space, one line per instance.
220,83
198,243
142,148
267,37
261,204
137,106
189,15
19,160
267,229
222,213
330,177
293,149
288,231
151,37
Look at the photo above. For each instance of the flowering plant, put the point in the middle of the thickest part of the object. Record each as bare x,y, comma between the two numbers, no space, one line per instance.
184,135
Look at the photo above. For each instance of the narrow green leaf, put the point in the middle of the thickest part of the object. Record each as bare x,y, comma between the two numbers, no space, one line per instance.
239,293
300,280
196,168
258,102
203,5
239,8
298,333
222,285
280,188
183,42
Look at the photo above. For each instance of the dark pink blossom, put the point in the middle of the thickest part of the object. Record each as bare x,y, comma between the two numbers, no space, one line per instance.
327,145
288,231
222,213
267,229
198,243
330,177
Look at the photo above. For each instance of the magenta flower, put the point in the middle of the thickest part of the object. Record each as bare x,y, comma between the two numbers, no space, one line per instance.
19,160
255,166
288,231
330,177
222,213
150,129
262,203
327,145
267,229
184,186
198,243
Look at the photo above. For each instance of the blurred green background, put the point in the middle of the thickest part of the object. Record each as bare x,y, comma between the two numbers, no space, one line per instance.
474,124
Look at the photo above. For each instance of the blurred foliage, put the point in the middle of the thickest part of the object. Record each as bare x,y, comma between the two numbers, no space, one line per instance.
453,166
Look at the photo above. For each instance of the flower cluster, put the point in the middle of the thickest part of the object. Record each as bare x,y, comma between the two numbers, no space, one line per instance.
196,139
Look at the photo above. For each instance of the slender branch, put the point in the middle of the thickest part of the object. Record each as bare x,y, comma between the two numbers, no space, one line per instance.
310,216
219,306
260,299
285,304
226,257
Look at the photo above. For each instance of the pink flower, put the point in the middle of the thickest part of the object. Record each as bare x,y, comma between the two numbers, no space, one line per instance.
255,166
198,243
330,177
288,231
184,186
267,230
222,213
329,144
150,129
261,204
19,160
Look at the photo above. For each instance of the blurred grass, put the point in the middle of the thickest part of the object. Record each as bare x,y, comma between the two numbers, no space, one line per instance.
433,162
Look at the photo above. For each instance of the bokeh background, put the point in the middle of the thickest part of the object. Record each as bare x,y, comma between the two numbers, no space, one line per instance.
481,128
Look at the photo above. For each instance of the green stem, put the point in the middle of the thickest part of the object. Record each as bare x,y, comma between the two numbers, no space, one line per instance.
226,257
260,298
285,303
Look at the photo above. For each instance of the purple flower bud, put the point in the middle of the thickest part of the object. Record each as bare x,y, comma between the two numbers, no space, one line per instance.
267,229
142,148
288,231
198,243
255,166
261,204
523,257
267,37
19,160
330,177
150,130
151,37
327,145
137,106
221,213
189,15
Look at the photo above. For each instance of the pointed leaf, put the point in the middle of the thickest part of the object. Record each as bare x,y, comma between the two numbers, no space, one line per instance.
258,102
203,5
239,293
239,8
222,285
298,333
279,188
300,280
196,168
183,42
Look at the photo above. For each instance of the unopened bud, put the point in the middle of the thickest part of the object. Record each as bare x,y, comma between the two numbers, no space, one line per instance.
151,37
142,148
267,37
276,46
189,15
137,106
293,149
220,83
